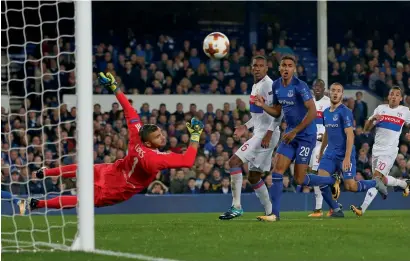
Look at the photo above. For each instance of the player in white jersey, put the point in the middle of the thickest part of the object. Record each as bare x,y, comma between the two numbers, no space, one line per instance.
257,151
389,120
322,102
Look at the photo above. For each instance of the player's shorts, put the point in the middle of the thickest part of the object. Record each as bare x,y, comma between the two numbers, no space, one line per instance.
299,149
383,163
314,159
109,186
258,158
333,164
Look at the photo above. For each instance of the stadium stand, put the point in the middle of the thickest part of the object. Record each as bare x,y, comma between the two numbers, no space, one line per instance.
176,65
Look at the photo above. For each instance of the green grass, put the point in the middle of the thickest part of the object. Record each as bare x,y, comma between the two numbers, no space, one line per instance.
378,236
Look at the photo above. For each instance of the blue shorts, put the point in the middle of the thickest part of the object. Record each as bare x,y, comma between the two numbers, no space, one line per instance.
299,149
333,164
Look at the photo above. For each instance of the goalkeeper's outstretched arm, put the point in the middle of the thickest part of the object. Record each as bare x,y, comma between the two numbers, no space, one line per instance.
134,123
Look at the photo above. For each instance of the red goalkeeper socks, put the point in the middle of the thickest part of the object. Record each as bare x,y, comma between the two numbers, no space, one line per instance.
58,202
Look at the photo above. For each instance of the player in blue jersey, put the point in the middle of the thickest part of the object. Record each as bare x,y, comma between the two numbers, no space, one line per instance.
340,153
7,196
293,97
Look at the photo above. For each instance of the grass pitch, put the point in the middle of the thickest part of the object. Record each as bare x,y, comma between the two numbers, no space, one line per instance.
378,236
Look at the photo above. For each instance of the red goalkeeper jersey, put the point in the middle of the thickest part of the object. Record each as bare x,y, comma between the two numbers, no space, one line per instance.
142,164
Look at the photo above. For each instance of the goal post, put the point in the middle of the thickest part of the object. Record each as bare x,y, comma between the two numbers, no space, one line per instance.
46,52
85,174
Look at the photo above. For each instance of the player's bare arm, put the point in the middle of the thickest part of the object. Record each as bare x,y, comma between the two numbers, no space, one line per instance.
369,125
349,146
323,146
266,139
274,110
309,117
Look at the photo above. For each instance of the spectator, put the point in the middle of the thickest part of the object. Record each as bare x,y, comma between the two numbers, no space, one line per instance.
360,110
178,183
287,186
157,188
191,187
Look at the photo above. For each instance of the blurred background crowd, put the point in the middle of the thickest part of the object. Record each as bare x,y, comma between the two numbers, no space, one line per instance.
40,130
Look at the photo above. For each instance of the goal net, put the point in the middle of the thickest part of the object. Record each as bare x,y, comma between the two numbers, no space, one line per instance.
38,130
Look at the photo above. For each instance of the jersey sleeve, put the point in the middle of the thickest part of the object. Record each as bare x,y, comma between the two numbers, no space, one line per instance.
174,160
407,116
273,94
347,120
133,119
303,90
376,111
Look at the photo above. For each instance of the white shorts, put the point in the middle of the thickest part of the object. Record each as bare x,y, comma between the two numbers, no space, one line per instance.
258,158
314,159
383,163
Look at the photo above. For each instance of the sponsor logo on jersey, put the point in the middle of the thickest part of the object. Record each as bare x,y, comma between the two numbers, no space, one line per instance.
140,151
392,119
330,125
286,102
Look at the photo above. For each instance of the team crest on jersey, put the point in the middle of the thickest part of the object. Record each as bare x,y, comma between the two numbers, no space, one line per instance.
399,114
335,117
320,108
290,93
276,92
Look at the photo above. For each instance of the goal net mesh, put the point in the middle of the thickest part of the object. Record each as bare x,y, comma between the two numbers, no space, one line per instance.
37,130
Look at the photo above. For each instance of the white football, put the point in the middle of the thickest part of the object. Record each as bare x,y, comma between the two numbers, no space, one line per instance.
216,45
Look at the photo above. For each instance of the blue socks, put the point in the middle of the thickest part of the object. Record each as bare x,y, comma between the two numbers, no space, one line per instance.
276,192
327,196
8,195
312,180
364,185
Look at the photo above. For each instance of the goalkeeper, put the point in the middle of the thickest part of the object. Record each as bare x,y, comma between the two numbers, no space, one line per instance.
114,183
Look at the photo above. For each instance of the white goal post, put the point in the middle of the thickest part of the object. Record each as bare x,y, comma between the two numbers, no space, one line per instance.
38,45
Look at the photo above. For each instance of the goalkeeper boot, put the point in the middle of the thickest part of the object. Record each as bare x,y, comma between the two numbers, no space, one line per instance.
406,191
357,210
316,213
381,187
268,218
336,187
40,173
231,213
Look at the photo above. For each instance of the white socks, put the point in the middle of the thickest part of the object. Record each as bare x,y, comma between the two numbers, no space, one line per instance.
370,195
236,185
263,194
318,197
393,182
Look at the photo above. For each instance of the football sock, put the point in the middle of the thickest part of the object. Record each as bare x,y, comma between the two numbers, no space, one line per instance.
58,202
262,193
393,182
8,195
316,180
276,192
318,197
68,171
364,185
370,195
236,184
327,196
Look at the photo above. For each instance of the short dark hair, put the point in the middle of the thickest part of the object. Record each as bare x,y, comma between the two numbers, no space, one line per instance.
288,57
396,87
337,83
146,130
260,57
319,81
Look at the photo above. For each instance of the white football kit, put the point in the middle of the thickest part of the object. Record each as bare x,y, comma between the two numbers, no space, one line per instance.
321,105
388,130
251,152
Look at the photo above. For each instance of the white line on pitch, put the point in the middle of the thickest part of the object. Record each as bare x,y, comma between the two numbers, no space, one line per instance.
96,251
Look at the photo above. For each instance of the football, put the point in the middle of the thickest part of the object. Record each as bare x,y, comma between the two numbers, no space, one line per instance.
216,45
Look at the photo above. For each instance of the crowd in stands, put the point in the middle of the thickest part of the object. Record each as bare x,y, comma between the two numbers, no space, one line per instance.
43,131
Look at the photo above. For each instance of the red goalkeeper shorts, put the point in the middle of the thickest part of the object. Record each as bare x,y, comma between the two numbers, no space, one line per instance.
110,186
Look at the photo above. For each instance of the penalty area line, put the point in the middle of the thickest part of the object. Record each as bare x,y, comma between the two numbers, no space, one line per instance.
60,247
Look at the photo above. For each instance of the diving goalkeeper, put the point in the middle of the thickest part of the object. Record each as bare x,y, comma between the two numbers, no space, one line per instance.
115,183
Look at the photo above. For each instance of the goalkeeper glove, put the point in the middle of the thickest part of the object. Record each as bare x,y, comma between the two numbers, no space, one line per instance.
108,81
195,127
